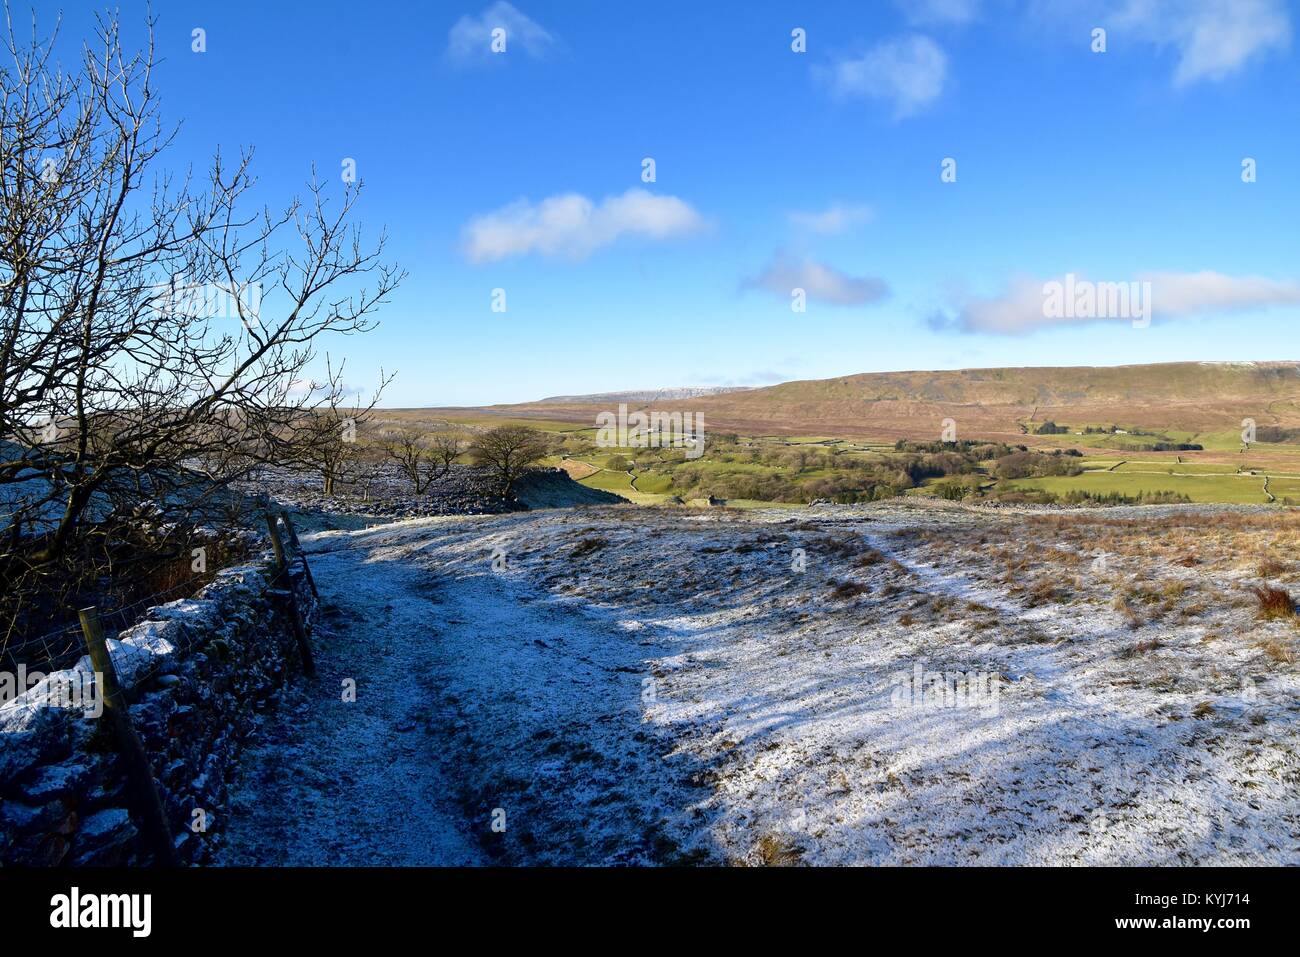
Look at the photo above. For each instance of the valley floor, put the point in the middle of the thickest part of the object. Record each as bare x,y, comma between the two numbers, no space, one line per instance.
660,686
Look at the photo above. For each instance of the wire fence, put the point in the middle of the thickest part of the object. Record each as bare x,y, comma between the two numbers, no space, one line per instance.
63,647
49,652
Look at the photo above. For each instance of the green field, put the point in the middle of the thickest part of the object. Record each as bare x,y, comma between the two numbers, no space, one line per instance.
657,483
1208,488
609,481
1176,468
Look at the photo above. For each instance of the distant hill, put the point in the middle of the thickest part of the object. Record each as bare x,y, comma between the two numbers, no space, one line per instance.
1189,396
644,395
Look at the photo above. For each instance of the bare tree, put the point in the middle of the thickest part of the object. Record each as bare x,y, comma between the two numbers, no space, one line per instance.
507,451
423,459
406,448
327,440
445,448
153,332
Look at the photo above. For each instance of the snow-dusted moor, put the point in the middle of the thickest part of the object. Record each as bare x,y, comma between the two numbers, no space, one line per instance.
536,449
654,686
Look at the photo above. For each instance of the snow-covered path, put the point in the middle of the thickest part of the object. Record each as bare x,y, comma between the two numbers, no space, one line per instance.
481,731
339,782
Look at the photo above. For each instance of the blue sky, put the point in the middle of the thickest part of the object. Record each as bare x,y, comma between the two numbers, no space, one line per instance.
523,171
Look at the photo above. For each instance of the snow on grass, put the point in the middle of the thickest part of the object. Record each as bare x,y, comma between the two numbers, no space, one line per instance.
674,686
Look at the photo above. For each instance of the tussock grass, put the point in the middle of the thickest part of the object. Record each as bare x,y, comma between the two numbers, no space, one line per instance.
587,546
869,557
1270,568
847,590
1277,650
1130,611
1139,648
1273,603
776,851
839,546
1050,589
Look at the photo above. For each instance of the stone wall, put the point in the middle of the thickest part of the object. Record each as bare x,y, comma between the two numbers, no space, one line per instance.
198,673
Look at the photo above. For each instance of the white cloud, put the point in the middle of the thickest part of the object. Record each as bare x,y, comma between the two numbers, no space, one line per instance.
908,72
1214,38
939,11
1185,294
1020,308
836,218
824,283
471,38
573,227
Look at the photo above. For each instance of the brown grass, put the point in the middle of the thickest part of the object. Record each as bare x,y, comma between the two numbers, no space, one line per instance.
842,546
846,590
1045,590
1274,603
1129,611
1140,648
1276,650
587,546
775,851
1270,568
870,557
1173,589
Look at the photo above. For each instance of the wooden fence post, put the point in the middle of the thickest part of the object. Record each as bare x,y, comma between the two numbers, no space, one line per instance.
295,616
139,773
297,547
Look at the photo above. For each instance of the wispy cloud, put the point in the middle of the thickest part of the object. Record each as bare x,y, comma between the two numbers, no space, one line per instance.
909,73
824,283
836,218
1214,38
1019,309
571,226
470,40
